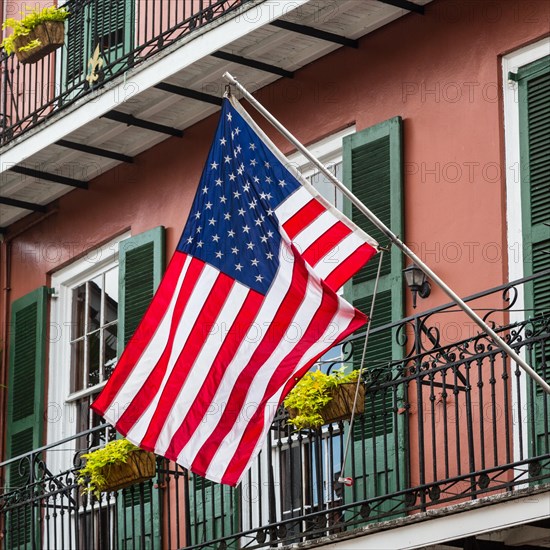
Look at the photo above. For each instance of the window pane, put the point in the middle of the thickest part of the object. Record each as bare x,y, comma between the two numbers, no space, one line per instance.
79,304
110,348
111,296
78,366
93,359
326,187
94,303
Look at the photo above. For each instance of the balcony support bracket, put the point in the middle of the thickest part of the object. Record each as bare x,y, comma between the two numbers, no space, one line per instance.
186,92
131,120
39,174
226,56
405,4
316,33
94,150
22,204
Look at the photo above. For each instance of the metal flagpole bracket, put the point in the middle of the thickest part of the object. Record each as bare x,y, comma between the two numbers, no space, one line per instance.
390,235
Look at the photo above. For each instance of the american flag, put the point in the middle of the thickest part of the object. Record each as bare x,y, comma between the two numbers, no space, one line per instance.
246,306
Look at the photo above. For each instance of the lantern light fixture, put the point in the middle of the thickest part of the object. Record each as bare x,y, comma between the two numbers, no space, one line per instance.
417,281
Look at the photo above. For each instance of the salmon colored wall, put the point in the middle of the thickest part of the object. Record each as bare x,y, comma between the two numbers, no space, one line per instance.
440,72
452,49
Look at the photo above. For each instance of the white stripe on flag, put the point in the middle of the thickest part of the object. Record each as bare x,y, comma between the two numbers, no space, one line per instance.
150,356
314,231
331,261
292,204
189,316
206,356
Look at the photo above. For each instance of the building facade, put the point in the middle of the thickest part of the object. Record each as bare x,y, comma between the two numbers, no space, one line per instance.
436,114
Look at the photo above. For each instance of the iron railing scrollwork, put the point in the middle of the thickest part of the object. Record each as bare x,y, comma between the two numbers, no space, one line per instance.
451,420
102,41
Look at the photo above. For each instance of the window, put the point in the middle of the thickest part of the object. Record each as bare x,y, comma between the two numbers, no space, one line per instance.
84,353
307,474
526,100
94,338
329,152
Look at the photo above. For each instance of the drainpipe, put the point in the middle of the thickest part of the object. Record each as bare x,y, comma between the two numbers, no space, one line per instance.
5,256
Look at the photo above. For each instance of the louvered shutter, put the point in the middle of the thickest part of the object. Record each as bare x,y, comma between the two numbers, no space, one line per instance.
25,418
108,24
373,170
76,55
534,107
141,265
534,115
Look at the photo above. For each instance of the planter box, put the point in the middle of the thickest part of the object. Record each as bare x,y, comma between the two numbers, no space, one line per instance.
51,35
341,404
141,466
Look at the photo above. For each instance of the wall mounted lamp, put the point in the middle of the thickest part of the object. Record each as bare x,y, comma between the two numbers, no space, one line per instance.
417,282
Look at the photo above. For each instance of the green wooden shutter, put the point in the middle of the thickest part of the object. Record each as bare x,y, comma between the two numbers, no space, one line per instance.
76,52
534,116
373,170
107,23
141,265
25,419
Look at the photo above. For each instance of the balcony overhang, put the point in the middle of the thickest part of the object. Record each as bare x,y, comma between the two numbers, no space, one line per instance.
260,42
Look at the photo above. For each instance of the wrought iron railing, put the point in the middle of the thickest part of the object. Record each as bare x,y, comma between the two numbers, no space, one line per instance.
103,39
450,420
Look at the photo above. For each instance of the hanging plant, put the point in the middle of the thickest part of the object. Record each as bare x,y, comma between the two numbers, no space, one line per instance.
320,398
38,33
115,466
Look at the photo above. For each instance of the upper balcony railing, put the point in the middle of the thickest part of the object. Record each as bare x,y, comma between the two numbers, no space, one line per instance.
450,419
103,39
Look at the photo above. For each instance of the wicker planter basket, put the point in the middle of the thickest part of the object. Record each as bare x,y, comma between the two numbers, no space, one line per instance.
341,405
51,35
140,466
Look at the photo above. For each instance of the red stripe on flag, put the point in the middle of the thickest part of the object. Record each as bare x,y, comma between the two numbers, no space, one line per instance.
152,384
205,395
321,319
347,268
359,319
325,243
206,318
144,332
303,218
270,341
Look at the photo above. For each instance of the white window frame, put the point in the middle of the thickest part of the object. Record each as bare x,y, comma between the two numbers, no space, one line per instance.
62,411
328,150
511,63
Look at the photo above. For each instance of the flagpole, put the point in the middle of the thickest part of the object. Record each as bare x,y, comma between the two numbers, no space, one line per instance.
390,235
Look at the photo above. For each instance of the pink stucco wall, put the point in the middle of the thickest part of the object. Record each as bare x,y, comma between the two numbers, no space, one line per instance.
440,72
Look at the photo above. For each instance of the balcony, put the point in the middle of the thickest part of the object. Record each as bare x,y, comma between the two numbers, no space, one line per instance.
451,422
144,72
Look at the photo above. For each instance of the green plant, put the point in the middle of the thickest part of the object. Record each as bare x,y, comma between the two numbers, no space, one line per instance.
30,20
312,393
92,475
